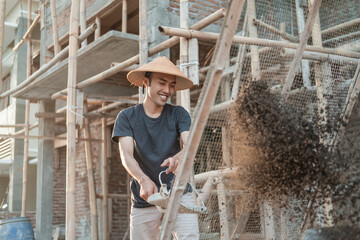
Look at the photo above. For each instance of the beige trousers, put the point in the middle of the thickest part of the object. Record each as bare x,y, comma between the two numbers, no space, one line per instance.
145,223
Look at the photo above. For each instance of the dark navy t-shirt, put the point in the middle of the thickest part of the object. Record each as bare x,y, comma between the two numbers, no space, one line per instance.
155,139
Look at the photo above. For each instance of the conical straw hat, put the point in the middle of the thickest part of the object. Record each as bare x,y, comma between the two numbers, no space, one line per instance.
160,65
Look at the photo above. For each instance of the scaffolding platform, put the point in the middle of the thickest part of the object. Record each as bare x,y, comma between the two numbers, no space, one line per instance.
94,58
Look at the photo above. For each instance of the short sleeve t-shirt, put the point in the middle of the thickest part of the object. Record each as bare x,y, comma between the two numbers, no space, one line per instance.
155,139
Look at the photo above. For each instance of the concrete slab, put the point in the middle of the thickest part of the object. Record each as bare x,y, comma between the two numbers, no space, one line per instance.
113,46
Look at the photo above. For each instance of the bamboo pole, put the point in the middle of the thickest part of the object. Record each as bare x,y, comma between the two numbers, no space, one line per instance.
83,21
255,59
275,30
90,175
113,195
224,224
184,47
143,41
124,16
301,25
135,59
104,180
2,25
12,125
54,27
299,52
28,32
202,110
27,117
23,86
98,28
70,123
46,137
254,41
354,22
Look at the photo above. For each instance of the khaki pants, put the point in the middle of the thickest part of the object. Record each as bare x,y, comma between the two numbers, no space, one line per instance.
145,223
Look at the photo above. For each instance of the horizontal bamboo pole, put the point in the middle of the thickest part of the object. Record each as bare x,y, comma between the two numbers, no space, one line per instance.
341,26
135,59
11,125
46,137
63,115
221,106
30,128
115,105
28,32
253,41
228,172
290,53
275,30
23,86
113,195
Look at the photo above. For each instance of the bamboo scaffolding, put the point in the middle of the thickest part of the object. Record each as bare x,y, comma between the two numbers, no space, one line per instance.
54,27
83,21
27,117
70,123
315,56
143,41
91,179
254,41
275,30
299,52
46,137
98,29
135,59
113,195
300,18
124,16
104,180
255,59
11,125
202,111
28,32
184,56
115,105
341,26
23,86
2,26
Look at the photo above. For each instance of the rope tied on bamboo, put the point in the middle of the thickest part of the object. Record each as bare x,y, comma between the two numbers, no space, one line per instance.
71,107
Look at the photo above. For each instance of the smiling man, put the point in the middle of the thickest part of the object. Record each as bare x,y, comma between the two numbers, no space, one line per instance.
149,137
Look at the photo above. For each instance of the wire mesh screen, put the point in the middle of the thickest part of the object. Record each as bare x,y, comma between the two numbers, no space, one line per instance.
318,94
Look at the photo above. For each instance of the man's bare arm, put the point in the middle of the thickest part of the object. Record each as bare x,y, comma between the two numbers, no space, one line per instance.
174,161
147,186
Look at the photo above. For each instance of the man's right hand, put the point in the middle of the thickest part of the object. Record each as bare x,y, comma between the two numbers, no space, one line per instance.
147,188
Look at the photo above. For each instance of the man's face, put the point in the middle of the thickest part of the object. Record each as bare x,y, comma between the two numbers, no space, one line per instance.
160,88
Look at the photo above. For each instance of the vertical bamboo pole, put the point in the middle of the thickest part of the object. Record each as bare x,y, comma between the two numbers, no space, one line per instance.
2,25
224,224
54,27
301,25
83,20
269,227
213,77
255,59
104,179
184,45
314,10
27,114
90,175
98,27
143,41
124,16
70,122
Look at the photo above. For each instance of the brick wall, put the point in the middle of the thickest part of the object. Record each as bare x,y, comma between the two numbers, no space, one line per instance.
198,9
59,195
31,215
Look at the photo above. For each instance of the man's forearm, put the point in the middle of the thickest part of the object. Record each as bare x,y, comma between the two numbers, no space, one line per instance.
133,168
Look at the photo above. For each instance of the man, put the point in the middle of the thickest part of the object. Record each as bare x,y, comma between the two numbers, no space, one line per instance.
149,137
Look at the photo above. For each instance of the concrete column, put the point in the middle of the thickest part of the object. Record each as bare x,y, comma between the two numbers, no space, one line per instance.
44,191
157,15
18,74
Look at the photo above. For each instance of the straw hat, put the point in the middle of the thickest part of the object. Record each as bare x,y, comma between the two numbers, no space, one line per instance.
160,65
